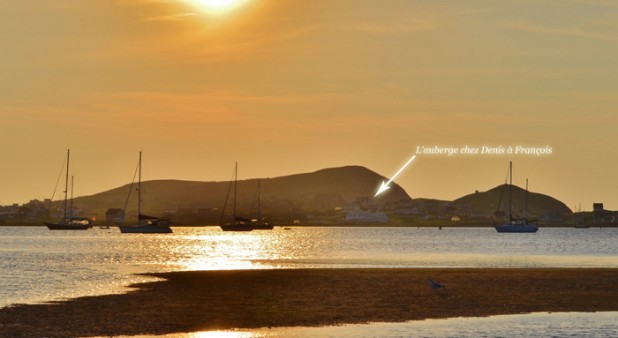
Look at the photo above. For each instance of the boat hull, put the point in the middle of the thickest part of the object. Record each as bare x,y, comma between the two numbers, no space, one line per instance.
64,226
235,227
149,226
247,226
145,229
517,228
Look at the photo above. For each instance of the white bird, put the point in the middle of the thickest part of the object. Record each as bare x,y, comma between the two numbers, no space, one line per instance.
435,285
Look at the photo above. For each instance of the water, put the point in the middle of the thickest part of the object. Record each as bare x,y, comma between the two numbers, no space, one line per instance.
597,325
41,265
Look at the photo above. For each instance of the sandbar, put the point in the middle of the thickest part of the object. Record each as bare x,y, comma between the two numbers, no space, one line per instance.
215,300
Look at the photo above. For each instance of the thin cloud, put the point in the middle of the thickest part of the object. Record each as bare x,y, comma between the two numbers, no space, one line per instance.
243,46
393,28
132,2
599,3
570,32
173,17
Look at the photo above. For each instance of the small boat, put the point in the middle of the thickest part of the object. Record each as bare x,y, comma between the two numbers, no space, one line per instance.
260,223
241,223
149,226
146,224
71,223
516,225
68,222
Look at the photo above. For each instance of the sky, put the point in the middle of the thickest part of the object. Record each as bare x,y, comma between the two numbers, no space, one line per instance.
287,87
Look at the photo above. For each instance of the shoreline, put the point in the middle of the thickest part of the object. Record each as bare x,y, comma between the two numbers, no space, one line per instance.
462,225
218,300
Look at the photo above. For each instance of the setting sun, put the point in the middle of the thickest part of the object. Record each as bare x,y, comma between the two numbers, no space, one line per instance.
217,5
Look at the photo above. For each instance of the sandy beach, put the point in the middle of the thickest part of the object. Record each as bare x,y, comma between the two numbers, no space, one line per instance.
208,300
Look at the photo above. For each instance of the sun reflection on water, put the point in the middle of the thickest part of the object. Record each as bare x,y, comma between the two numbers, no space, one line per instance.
211,249
565,324
223,334
215,250
39,265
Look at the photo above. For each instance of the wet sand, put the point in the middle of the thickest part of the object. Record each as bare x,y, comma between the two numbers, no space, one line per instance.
209,300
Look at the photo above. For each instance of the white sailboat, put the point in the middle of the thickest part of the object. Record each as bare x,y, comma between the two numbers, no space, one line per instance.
516,225
68,222
145,224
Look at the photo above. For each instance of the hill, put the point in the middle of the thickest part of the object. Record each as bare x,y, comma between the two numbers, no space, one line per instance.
317,195
485,203
321,190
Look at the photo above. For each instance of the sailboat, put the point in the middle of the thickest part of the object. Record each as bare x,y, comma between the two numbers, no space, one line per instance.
68,222
516,225
238,223
260,223
241,223
145,224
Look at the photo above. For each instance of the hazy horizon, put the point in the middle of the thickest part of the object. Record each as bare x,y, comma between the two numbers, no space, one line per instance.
288,87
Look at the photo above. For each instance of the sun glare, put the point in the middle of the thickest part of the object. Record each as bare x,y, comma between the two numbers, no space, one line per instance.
217,6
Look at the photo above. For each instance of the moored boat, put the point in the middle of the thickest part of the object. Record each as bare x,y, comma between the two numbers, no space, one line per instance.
516,225
68,222
241,223
146,224
260,223
72,223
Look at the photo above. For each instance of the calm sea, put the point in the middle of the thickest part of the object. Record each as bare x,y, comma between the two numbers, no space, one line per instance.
40,265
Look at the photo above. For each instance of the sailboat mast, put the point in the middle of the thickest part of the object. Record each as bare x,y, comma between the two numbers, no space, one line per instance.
71,205
66,184
526,200
139,186
235,189
510,191
259,207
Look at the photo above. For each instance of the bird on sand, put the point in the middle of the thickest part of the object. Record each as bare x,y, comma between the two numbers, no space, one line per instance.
435,285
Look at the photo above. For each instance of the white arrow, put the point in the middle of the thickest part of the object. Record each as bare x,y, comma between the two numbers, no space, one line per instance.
385,185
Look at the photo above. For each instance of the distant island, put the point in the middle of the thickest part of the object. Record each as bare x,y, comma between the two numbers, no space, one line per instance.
329,197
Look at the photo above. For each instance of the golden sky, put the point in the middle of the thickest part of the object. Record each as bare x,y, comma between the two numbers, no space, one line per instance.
286,87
